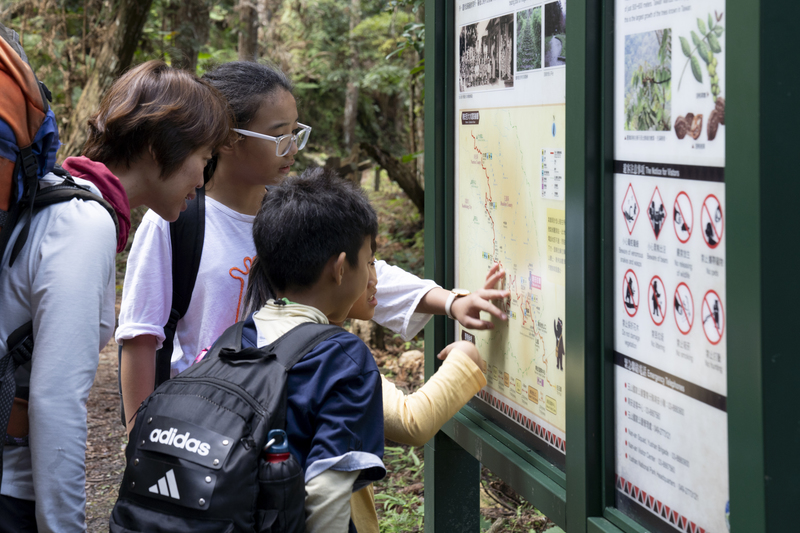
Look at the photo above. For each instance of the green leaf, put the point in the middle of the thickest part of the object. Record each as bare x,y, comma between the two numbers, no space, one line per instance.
704,52
701,26
407,158
710,22
713,43
687,50
695,39
414,457
718,30
698,74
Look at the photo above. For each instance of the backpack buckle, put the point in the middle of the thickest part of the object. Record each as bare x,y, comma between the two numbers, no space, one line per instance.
22,352
29,164
172,322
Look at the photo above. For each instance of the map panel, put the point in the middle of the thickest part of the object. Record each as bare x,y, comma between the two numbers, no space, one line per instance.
510,210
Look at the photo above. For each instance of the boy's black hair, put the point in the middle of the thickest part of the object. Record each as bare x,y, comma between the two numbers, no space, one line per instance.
304,222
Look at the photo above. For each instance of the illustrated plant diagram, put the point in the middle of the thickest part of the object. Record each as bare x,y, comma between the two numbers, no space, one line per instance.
706,47
647,101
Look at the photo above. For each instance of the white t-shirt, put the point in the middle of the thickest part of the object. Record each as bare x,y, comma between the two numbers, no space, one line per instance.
218,295
399,293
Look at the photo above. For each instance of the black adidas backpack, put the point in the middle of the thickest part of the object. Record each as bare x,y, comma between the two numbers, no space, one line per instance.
194,458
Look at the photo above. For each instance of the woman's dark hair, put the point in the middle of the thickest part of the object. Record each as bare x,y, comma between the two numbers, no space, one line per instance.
245,84
302,223
156,107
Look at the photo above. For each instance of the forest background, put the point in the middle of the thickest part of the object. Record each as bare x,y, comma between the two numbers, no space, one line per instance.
358,69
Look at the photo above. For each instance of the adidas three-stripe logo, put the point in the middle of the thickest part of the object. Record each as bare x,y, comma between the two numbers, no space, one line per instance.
167,486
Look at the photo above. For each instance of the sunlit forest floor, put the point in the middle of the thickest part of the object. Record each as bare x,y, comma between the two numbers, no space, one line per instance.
400,496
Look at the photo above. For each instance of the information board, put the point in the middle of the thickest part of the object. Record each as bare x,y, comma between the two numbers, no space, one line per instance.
669,264
509,205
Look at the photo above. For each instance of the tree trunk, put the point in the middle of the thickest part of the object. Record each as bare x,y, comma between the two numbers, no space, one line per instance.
398,172
192,28
248,33
115,56
351,93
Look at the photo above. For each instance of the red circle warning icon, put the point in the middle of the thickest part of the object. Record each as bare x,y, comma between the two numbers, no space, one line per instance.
656,213
657,300
713,317
711,221
683,308
630,292
630,209
683,217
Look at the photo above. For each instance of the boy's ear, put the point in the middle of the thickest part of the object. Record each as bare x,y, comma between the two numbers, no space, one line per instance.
338,267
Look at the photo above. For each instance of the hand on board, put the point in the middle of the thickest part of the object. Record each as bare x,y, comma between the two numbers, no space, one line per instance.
467,309
468,348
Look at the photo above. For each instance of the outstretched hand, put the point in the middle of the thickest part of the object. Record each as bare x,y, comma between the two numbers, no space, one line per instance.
467,309
468,348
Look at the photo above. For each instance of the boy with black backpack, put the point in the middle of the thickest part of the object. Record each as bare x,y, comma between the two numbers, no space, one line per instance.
317,231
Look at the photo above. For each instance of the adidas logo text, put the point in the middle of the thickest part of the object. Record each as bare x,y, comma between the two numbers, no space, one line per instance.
167,486
170,437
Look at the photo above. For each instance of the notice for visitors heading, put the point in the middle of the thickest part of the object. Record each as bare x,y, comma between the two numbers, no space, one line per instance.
671,359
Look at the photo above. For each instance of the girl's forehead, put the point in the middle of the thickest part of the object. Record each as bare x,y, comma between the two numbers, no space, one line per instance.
276,110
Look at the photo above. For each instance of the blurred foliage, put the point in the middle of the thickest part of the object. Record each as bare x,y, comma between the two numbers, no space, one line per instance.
309,39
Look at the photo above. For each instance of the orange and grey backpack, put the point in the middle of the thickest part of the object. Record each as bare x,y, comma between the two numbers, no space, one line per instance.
28,146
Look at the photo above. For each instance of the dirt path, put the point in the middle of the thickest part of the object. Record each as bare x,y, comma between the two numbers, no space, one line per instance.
105,453
551,59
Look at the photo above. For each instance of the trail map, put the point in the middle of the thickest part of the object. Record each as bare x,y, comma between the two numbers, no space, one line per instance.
510,210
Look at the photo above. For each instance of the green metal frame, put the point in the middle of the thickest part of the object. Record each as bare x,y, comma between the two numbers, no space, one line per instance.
762,194
449,486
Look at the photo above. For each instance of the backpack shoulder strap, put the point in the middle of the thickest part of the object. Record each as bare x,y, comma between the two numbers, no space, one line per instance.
296,343
63,192
186,235
231,339
20,350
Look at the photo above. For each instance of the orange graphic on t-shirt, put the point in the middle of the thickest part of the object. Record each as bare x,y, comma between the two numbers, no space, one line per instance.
248,262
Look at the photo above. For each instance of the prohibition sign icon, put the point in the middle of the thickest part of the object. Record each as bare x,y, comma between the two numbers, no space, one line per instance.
712,221
683,308
630,292
683,217
713,317
657,300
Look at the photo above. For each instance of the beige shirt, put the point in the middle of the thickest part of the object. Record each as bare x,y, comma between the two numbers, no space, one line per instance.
415,419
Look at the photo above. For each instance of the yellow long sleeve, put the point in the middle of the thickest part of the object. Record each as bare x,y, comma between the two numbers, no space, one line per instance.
415,419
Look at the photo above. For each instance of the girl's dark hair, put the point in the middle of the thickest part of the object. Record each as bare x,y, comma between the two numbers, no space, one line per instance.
245,84
259,290
154,106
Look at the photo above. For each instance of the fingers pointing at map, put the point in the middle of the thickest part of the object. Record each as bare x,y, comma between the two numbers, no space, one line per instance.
467,310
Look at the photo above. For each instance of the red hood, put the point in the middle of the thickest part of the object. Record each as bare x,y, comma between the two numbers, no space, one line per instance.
110,187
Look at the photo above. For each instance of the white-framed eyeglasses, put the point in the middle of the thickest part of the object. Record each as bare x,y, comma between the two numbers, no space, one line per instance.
283,143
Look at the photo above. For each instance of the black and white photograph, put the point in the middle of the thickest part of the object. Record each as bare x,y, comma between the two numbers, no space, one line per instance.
486,55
